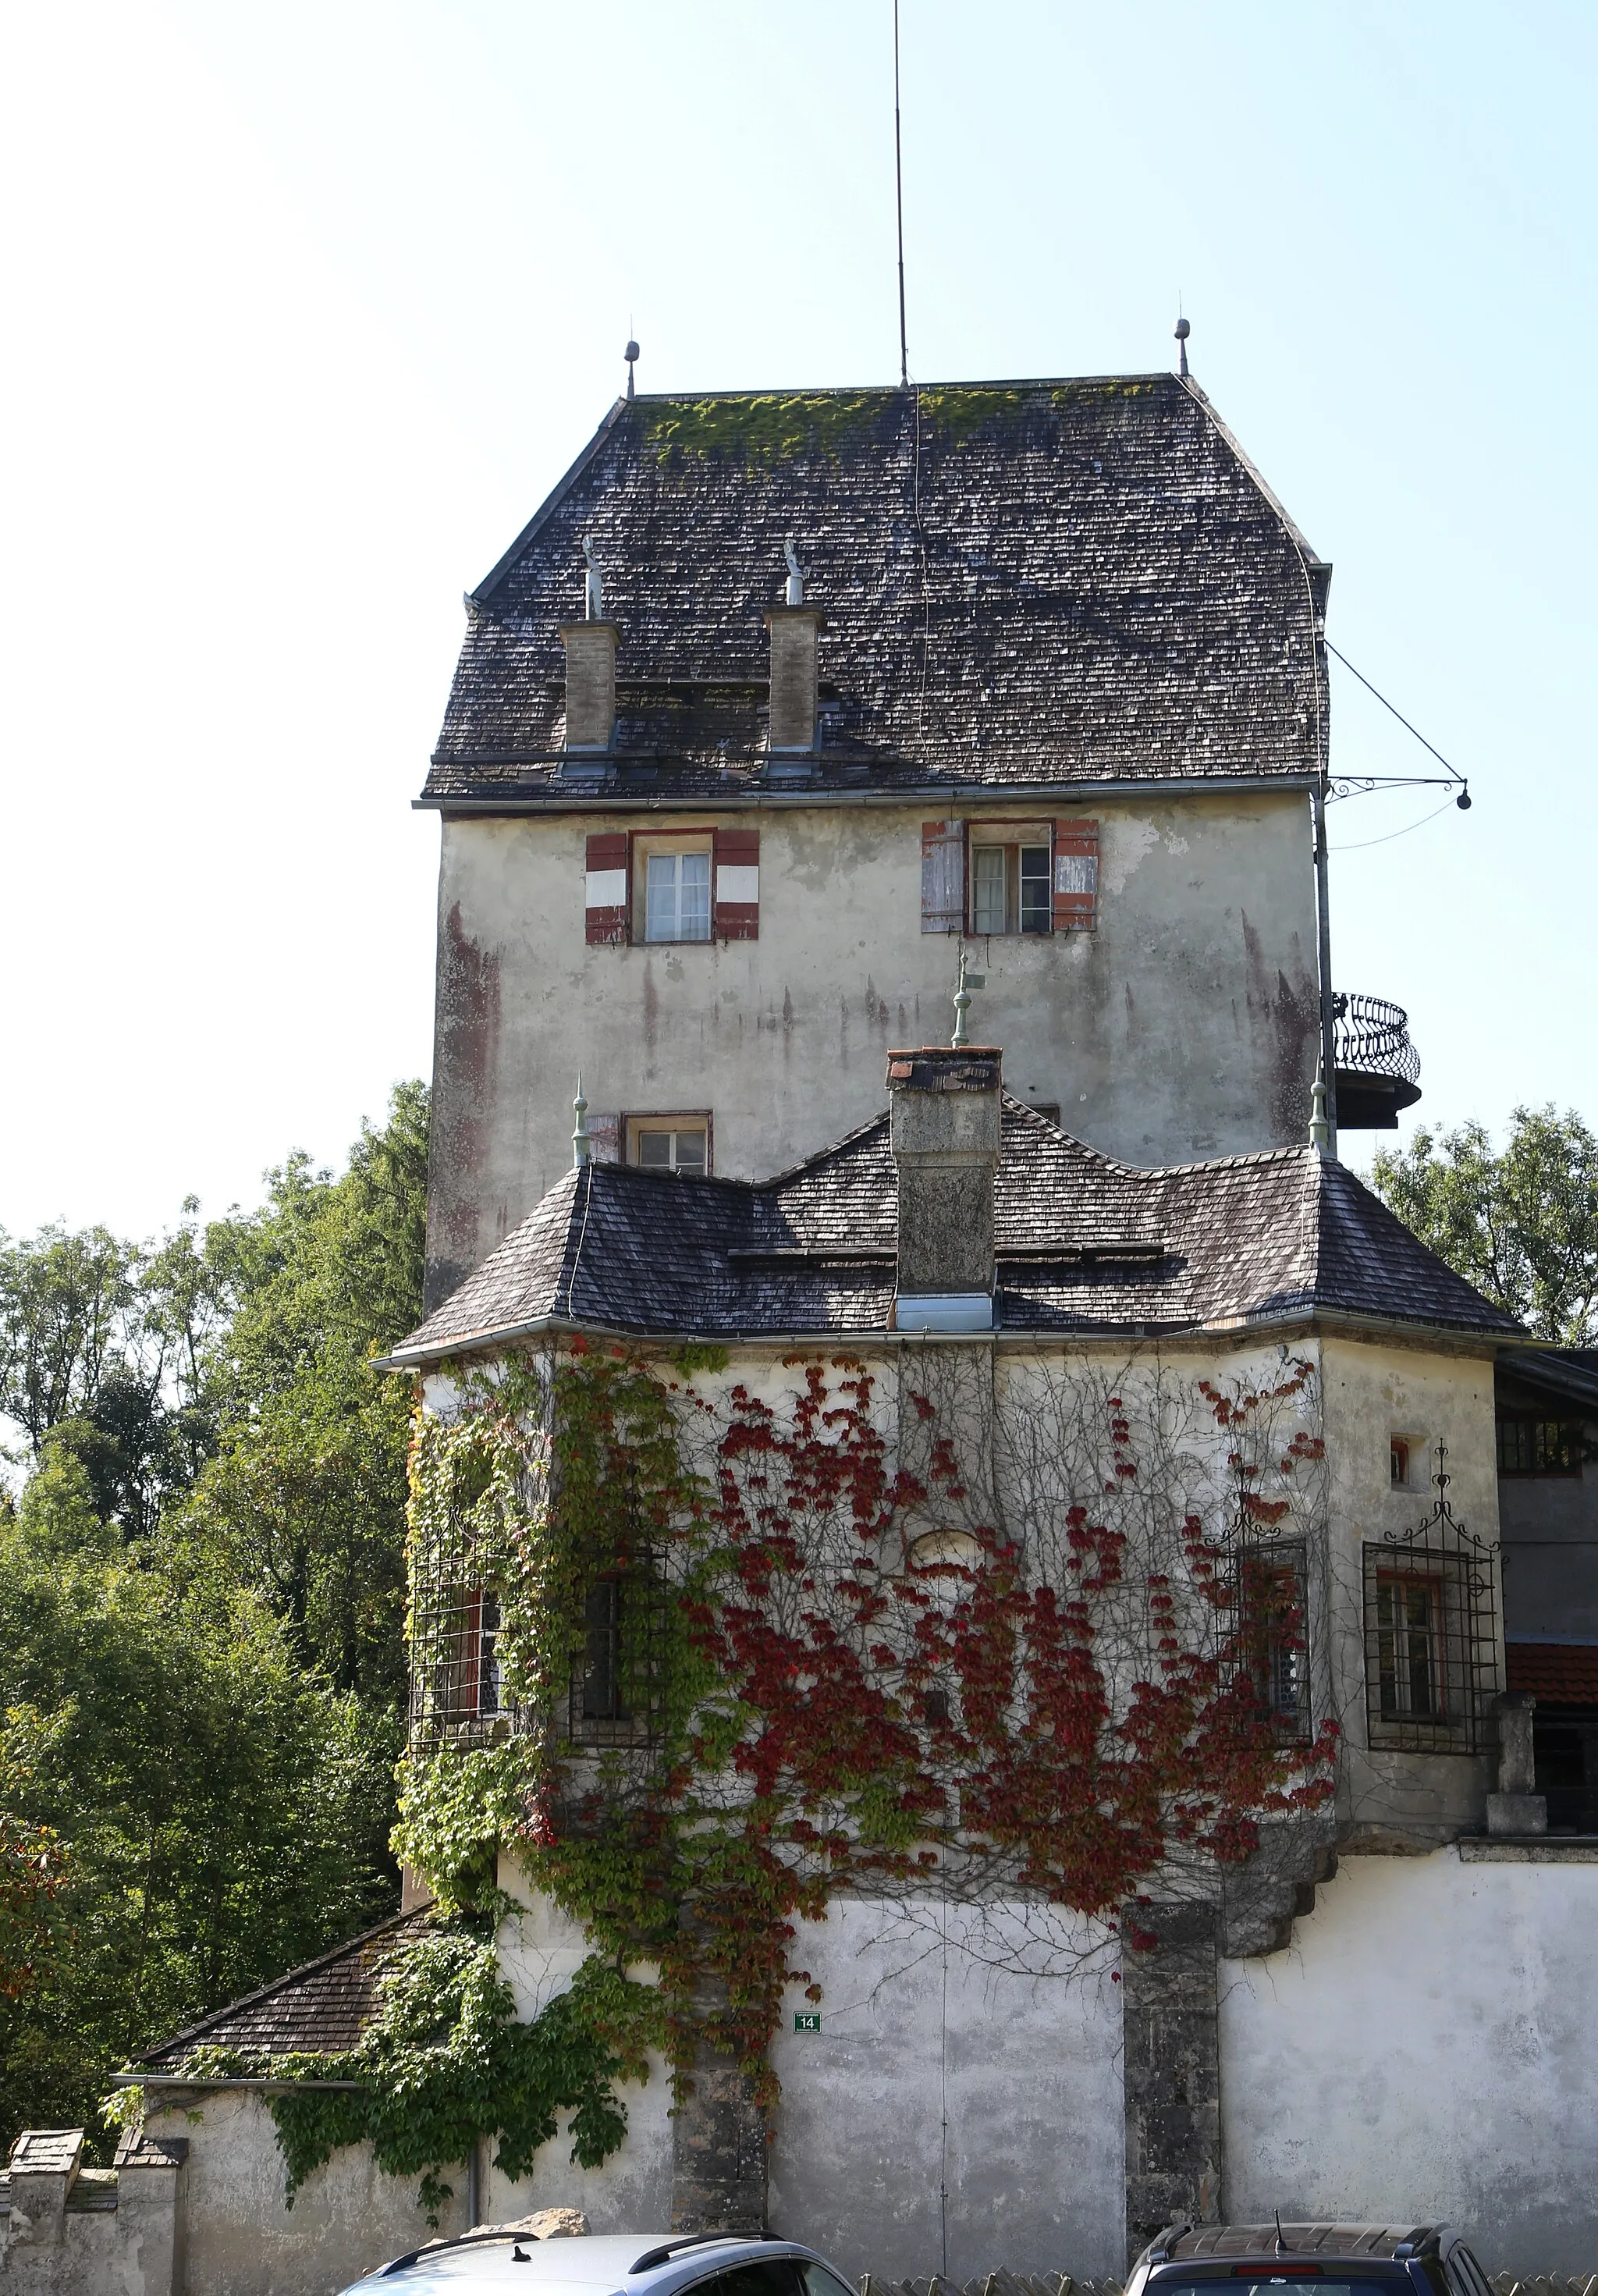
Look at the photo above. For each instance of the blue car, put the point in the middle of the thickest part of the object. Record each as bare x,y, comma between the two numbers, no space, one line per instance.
611,2264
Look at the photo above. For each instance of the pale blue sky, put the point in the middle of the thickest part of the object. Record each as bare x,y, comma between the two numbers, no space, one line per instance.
309,303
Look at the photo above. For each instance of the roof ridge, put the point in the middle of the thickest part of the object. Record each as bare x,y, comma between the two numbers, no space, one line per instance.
895,389
821,1155
548,506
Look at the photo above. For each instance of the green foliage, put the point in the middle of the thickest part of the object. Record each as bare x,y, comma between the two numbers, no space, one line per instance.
803,1707
203,1584
445,2065
1522,1225
308,1493
214,1797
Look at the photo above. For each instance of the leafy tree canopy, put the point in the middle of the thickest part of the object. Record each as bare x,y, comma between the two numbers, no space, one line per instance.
1522,1225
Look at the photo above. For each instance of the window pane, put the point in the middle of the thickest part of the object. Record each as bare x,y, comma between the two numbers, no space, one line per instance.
1035,899
661,922
489,1678
654,1150
688,1151
819,2281
777,2278
987,889
602,1682
694,920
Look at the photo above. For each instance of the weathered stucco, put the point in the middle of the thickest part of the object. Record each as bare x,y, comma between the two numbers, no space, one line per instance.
243,2240
1183,1025
1422,2052
1430,1398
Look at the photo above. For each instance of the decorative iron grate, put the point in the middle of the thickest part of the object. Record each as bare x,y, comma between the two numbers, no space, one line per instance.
1431,1633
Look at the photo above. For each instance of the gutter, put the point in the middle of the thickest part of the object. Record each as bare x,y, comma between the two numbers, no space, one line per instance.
130,2079
1301,1319
565,799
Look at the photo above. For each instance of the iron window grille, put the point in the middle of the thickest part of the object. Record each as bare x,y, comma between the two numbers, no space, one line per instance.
1431,1633
615,1697
457,1680
1274,1639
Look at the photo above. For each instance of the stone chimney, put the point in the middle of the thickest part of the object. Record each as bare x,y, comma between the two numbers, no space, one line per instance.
945,1130
590,684
794,726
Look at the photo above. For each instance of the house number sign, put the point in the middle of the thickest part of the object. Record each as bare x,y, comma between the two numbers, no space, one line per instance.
806,2020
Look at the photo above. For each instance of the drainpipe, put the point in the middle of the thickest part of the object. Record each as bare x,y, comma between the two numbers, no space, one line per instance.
1324,922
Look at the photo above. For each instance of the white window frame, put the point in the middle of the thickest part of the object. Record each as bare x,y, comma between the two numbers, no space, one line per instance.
1012,840
675,1124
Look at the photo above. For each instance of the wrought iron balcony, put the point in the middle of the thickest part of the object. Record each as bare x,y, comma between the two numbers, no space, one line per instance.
1378,1068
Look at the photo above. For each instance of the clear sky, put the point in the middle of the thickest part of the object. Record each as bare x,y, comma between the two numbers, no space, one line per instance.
308,305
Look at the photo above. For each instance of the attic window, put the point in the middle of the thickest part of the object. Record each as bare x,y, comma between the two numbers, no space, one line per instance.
671,1144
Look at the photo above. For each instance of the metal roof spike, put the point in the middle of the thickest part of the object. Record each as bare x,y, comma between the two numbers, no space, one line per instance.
1183,329
1320,1129
631,355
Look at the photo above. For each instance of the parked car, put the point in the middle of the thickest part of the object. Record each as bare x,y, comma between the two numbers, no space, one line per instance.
497,2263
1340,2260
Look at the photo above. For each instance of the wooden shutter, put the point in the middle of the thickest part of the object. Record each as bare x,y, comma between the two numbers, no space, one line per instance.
943,876
737,863
608,890
1076,876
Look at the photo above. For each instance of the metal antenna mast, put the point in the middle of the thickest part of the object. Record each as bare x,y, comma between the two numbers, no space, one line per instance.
899,202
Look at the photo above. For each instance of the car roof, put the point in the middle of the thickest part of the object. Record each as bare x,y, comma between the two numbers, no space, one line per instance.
1379,2244
603,2264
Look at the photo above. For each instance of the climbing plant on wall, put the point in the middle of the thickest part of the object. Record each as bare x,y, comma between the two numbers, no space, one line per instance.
701,1657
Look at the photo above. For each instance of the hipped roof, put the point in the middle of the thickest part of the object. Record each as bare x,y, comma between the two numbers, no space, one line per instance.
1085,1244
1025,584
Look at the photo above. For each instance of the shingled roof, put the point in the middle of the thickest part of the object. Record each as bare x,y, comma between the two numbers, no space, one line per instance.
1028,583
326,2004
1083,1244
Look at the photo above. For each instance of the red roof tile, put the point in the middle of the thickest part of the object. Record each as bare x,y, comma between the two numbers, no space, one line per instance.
1564,1674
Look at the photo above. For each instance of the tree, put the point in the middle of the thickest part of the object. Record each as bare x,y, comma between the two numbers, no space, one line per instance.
1522,1225
223,1811
307,1491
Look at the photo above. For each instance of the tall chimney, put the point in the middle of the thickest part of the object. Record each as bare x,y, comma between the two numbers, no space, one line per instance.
590,684
944,1131
794,723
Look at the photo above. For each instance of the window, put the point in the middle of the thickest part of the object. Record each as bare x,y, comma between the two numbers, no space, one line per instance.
1539,1447
1432,1652
1397,1461
1273,1636
1409,1647
678,895
1009,888
490,1674
600,1690
671,1144
613,1686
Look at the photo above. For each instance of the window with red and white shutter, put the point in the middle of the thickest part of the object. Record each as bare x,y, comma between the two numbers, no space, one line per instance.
737,865
1076,876
607,889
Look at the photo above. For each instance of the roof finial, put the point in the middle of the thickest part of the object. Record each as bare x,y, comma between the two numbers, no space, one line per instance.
582,1146
1183,329
795,579
961,1006
1320,1130
594,590
631,355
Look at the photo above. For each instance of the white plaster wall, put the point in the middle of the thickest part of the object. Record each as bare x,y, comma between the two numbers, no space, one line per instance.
540,1951
1424,2050
1183,1025
1027,2071
242,2238
1372,1393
